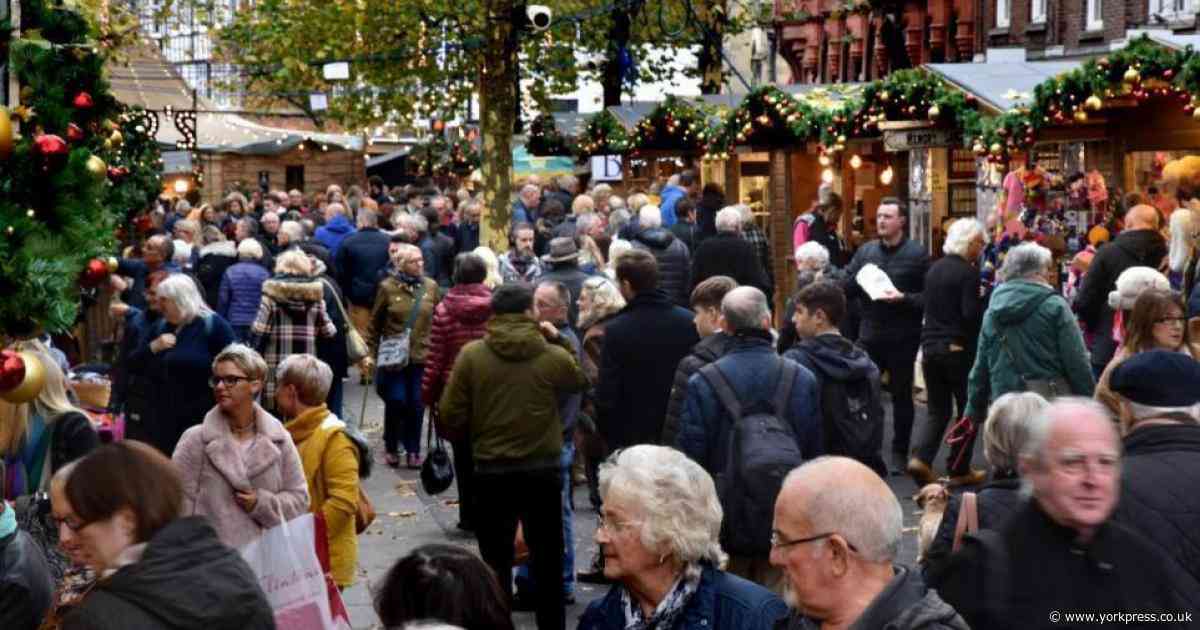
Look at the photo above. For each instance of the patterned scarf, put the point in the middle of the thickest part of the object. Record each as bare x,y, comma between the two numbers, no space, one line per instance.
669,610
403,278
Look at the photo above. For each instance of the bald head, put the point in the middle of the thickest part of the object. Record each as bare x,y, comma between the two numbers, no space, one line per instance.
745,308
841,495
1141,217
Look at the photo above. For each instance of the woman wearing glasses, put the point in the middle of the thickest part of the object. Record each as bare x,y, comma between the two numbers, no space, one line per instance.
240,467
1157,322
659,530
121,507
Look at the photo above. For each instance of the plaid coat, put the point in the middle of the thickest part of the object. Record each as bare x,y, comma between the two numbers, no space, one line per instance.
290,317
762,246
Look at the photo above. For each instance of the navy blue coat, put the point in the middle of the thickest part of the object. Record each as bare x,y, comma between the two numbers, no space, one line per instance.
751,367
722,601
241,292
359,261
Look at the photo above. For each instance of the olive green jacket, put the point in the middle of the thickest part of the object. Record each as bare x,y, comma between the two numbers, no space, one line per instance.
393,303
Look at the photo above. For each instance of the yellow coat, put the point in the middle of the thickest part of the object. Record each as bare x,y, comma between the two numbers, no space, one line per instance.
330,463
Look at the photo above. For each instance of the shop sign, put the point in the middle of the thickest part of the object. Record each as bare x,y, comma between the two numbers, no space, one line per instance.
606,168
906,139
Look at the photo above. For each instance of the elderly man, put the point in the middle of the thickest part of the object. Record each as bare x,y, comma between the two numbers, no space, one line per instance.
1162,452
526,206
157,253
891,325
1060,552
837,530
728,254
749,379
337,227
674,259
270,232
678,187
1139,244
466,239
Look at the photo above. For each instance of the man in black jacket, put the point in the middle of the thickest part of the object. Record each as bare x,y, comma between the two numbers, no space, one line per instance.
1161,466
642,347
891,326
1061,552
714,343
360,261
674,259
685,228
1140,244
728,254
953,315
26,588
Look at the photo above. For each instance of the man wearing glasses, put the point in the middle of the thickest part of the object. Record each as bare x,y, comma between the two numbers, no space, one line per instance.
836,534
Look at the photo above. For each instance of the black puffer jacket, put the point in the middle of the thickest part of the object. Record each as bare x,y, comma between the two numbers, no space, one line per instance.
994,503
674,262
905,264
1132,248
728,254
26,586
709,349
1159,476
186,580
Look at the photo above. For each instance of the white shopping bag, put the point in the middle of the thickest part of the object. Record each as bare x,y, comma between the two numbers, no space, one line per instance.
285,562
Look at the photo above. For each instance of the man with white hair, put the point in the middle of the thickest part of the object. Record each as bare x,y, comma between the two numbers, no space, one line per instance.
749,380
1162,452
836,534
674,259
270,232
953,315
728,254
525,208
1061,552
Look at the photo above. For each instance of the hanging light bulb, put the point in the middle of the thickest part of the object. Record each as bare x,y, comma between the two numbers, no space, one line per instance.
855,162
823,160
827,176
887,176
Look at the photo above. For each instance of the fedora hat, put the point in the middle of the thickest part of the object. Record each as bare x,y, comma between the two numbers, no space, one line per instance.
562,249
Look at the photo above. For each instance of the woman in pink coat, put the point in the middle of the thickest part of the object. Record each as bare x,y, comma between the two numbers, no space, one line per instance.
240,467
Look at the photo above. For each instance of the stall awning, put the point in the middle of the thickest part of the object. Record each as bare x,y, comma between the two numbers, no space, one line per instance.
1001,86
1164,37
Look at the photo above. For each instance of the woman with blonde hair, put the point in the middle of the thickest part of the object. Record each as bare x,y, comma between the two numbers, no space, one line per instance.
599,301
39,437
493,279
291,316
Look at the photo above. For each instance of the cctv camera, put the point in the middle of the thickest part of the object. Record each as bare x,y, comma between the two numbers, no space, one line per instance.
539,16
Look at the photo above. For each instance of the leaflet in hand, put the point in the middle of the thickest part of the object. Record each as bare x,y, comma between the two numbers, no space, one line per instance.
874,281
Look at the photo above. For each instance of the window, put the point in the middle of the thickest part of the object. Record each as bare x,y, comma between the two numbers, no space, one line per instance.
1095,15
295,177
1003,13
1171,9
1037,11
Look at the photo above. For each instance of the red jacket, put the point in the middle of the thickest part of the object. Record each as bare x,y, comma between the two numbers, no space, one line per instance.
461,316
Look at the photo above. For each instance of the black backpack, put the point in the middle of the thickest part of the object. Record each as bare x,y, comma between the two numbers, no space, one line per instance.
853,419
761,451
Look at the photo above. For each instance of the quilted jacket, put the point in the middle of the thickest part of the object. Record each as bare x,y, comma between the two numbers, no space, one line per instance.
461,316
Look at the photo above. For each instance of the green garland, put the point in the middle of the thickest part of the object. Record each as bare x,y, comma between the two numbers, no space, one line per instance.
53,215
674,125
545,139
439,156
135,180
771,118
603,135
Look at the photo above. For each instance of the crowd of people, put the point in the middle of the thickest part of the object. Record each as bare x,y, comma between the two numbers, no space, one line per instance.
734,454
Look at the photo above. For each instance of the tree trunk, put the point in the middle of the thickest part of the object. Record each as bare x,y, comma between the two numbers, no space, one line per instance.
498,114
711,15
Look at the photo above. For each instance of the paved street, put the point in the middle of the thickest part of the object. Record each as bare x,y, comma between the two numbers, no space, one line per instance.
408,518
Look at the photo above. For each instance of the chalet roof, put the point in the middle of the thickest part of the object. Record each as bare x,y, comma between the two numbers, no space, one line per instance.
1001,86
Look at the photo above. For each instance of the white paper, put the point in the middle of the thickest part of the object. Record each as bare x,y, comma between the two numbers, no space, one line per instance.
874,281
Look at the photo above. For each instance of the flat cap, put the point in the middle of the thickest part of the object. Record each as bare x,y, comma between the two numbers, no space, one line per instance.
1158,378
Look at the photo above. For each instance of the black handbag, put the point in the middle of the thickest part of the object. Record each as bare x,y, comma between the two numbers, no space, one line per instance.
437,473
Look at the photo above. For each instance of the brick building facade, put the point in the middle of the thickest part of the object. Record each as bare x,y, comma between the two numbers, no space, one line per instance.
1056,28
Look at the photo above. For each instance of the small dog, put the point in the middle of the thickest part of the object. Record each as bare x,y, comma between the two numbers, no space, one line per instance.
932,500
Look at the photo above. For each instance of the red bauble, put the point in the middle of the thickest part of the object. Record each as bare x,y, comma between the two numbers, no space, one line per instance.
143,224
74,133
970,98
117,172
12,370
94,274
83,100
1168,73
49,144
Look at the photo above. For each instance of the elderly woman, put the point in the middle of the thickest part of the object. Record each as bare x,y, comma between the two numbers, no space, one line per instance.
1029,340
812,264
240,292
491,262
291,316
401,318
1005,436
953,313
659,528
178,355
123,507
240,466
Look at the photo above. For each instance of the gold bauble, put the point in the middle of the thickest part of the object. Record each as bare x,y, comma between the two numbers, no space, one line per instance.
97,167
1093,103
979,148
1196,114
884,96
111,263
1132,75
934,112
108,145
997,148
841,139
1081,116
116,138
6,134
26,94
31,386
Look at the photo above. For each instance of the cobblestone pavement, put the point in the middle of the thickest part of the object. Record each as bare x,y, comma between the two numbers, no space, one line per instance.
408,518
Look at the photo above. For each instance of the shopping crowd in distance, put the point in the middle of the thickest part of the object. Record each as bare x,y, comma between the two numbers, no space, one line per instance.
735,455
